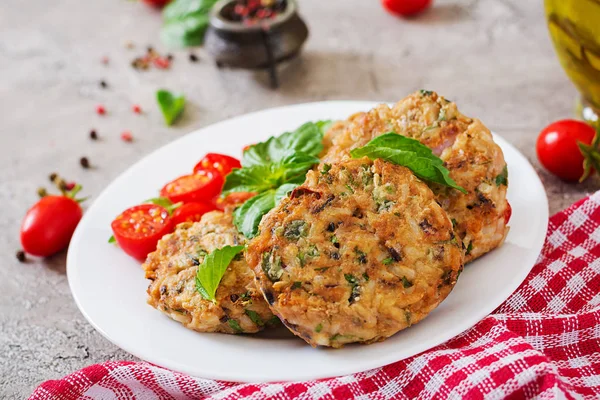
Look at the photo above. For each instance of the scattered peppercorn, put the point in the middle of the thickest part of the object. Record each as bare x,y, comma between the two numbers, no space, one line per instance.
193,57
53,177
126,136
136,109
42,192
69,186
170,57
93,135
104,60
85,163
100,110
150,49
103,84
21,256
129,45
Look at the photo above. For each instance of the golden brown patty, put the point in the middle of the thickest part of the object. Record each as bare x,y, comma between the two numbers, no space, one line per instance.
172,268
358,252
464,144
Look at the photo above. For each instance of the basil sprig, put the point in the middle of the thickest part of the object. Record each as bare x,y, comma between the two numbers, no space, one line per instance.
212,269
273,169
409,153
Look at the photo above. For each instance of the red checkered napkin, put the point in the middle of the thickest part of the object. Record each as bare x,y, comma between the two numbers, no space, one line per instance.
543,342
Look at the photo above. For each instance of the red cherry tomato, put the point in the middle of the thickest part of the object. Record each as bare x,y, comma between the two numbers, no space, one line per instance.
138,229
232,200
507,213
157,3
557,148
220,162
191,212
406,7
199,187
48,225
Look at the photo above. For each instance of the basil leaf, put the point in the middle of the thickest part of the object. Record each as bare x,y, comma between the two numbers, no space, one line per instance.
186,22
170,105
259,178
112,239
306,139
165,203
212,270
247,217
409,153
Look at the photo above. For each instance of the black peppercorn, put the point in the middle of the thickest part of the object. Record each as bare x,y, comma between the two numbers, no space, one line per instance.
93,135
53,176
85,163
103,84
193,57
170,57
21,256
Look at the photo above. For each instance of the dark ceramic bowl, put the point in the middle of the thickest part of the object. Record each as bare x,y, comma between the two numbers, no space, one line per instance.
262,45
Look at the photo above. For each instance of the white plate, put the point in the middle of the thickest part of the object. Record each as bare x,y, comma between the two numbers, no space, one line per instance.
110,290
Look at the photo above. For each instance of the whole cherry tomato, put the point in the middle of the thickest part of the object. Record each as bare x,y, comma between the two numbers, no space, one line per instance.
138,229
48,225
201,186
219,162
191,212
558,151
157,3
232,200
406,7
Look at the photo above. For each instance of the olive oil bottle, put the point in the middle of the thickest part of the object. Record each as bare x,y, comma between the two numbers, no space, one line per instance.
575,30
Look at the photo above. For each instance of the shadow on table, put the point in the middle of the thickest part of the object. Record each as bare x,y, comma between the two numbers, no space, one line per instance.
57,263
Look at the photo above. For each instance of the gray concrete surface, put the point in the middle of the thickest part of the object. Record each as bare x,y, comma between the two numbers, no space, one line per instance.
492,57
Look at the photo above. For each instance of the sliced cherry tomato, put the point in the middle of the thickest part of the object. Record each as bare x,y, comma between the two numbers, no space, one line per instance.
138,229
191,212
232,200
557,148
219,162
507,213
406,7
48,225
199,187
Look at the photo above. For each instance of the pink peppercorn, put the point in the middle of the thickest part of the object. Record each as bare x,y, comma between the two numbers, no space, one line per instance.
136,109
69,186
100,110
126,136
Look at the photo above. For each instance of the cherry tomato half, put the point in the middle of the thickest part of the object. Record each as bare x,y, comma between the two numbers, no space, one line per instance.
406,7
557,148
220,162
138,229
191,212
48,225
199,187
232,200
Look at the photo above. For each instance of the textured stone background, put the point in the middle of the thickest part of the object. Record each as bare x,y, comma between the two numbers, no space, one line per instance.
492,57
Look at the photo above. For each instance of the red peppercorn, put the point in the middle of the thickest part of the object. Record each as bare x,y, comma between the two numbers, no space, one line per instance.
70,185
100,110
136,109
126,136
104,60
161,62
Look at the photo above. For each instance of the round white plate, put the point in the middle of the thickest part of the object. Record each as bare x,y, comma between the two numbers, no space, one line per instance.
110,290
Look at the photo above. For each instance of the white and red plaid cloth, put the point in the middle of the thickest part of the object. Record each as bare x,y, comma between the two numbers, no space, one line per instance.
543,342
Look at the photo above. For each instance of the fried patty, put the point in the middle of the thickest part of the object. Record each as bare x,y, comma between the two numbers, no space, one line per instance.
468,150
239,306
357,253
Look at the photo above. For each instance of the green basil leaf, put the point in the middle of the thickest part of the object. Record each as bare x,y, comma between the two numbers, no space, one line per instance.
283,191
185,33
306,139
212,269
409,153
246,218
324,125
165,203
112,239
259,178
186,22
170,105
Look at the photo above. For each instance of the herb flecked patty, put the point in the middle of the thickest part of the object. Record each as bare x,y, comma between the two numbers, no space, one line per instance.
464,144
240,307
358,252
